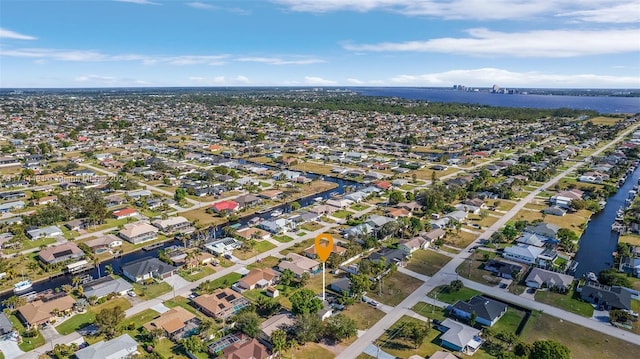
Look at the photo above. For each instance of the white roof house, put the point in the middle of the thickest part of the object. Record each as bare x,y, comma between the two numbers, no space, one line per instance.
44,232
121,347
523,253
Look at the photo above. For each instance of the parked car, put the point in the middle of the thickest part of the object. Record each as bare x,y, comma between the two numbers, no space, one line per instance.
131,293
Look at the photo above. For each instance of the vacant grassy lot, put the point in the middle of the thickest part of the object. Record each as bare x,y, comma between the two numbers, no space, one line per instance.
606,121
260,247
359,207
510,321
571,221
197,274
471,268
460,239
151,290
429,311
583,342
202,217
632,239
463,294
267,262
225,281
395,289
569,302
342,214
283,239
364,314
309,350
427,262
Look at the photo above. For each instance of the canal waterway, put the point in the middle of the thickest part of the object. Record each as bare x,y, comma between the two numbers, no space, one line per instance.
598,242
117,263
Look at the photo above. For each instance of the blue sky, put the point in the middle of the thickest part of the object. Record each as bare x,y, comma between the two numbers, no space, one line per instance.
512,43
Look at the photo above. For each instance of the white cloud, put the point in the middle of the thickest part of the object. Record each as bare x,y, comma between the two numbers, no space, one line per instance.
485,77
355,81
139,2
314,80
279,61
8,34
201,5
462,9
622,13
96,79
242,79
540,43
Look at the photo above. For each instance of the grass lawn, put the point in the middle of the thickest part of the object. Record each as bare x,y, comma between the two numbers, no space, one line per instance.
510,321
168,349
79,321
364,314
298,247
571,221
463,294
583,342
184,303
193,276
311,226
152,290
395,289
427,262
27,344
359,207
342,214
569,302
283,239
429,311
632,239
260,247
224,281
202,217
268,262
28,244
606,121
309,350
460,239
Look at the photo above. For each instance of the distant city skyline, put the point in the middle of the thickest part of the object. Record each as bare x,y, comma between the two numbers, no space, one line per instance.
476,43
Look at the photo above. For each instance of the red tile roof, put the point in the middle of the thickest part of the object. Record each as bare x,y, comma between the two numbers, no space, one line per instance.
225,206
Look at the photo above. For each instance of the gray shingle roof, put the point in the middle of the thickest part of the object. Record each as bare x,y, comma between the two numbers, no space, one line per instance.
147,265
484,308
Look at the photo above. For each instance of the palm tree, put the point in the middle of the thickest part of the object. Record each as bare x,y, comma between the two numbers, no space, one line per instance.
76,281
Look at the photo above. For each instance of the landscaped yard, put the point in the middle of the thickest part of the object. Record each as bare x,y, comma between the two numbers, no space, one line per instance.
283,239
309,350
79,321
364,314
27,343
358,207
463,294
224,281
149,291
395,289
267,262
471,269
583,342
569,302
427,262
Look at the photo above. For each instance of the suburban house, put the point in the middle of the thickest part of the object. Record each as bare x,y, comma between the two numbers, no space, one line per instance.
177,323
311,251
441,355
547,230
223,246
523,253
488,311
5,325
271,227
76,224
125,213
614,297
555,211
248,200
173,224
42,311
221,304
139,193
409,246
459,337
563,198
44,232
225,207
278,321
114,200
147,268
251,349
542,278
60,253
117,348
254,233
103,243
502,269
10,206
257,278
106,285
45,200
341,285
390,255
298,264
138,232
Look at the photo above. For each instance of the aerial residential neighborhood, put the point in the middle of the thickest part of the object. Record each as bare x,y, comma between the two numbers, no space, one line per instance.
155,227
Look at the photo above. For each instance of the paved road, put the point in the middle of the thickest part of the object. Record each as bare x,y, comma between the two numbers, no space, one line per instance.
447,273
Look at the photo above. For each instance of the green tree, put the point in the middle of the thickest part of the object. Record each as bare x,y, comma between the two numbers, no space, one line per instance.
267,306
180,195
248,322
307,328
295,206
193,344
279,340
360,284
340,327
395,197
549,349
108,321
305,301
287,277
304,279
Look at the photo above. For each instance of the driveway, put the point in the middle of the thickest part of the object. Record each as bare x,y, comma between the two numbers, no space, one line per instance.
10,349
601,316
176,281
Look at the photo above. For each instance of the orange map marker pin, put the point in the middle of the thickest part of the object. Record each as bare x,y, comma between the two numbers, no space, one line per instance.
323,251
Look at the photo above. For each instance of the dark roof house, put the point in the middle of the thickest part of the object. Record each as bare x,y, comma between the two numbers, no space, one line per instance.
488,311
